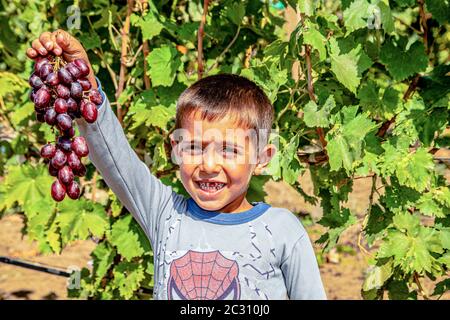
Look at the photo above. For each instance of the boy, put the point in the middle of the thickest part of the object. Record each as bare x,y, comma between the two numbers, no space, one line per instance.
214,245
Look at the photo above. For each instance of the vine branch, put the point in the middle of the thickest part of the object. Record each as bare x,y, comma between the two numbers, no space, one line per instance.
123,58
146,51
216,62
200,35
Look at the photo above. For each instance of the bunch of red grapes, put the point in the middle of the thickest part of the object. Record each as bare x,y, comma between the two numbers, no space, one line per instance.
61,93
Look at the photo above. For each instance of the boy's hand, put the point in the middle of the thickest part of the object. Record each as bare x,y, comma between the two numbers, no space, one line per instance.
60,43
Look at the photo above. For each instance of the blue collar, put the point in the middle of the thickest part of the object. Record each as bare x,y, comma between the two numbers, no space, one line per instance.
227,218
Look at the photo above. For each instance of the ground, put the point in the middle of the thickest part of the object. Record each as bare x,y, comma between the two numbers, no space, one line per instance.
342,270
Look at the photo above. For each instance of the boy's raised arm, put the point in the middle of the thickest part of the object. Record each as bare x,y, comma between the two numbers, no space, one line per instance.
140,192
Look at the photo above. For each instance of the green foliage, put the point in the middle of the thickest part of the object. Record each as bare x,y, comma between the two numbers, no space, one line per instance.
364,66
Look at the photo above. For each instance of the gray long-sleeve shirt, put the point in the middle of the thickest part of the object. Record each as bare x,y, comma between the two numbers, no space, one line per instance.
262,253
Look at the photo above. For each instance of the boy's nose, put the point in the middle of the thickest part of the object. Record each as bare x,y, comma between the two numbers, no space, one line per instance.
210,163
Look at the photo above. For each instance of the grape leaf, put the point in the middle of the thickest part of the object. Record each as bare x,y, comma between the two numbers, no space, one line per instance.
127,277
27,185
129,239
412,253
345,66
380,107
235,12
22,113
402,63
90,41
103,257
339,153
406,222
415,169
377,276
78,219
387,20
355,16
307,7
9,82
315,39
149,25
440,9
318,118
157,116
345,146
163,63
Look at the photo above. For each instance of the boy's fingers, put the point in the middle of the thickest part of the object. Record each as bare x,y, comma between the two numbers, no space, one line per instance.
31,53
56,48
38,47
63,40
46,40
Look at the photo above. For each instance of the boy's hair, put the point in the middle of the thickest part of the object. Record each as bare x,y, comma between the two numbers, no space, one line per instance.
216,97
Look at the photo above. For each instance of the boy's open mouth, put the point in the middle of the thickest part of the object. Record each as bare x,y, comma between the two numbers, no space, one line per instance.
210,187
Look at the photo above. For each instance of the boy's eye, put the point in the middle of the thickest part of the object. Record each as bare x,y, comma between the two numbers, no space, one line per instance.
192,148
231,150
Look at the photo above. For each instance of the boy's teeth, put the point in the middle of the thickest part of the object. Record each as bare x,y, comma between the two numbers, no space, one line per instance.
211,185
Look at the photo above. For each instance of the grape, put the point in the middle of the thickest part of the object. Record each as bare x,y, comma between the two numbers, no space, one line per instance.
80,172
52,170
35,81
74,115
32,95
64,76
39,109
65,175
74,161
64,144
59,159
45,70
76,91
82,66
80,146
50,116
64,121
85,84
72,105
48,151
52,79
96,97
69,133
39,63
40,117
42,97
62,91
73,70
73,190
58,191
61,105
89,112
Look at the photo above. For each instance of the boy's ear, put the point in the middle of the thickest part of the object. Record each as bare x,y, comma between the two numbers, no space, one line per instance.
173,143
175,152
265,156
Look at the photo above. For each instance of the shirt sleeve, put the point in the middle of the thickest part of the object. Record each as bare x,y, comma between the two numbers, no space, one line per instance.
301,272
145,196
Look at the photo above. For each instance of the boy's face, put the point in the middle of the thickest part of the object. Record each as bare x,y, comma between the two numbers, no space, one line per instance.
218,160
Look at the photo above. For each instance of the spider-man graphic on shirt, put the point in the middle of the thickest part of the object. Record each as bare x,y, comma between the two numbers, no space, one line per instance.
203,276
